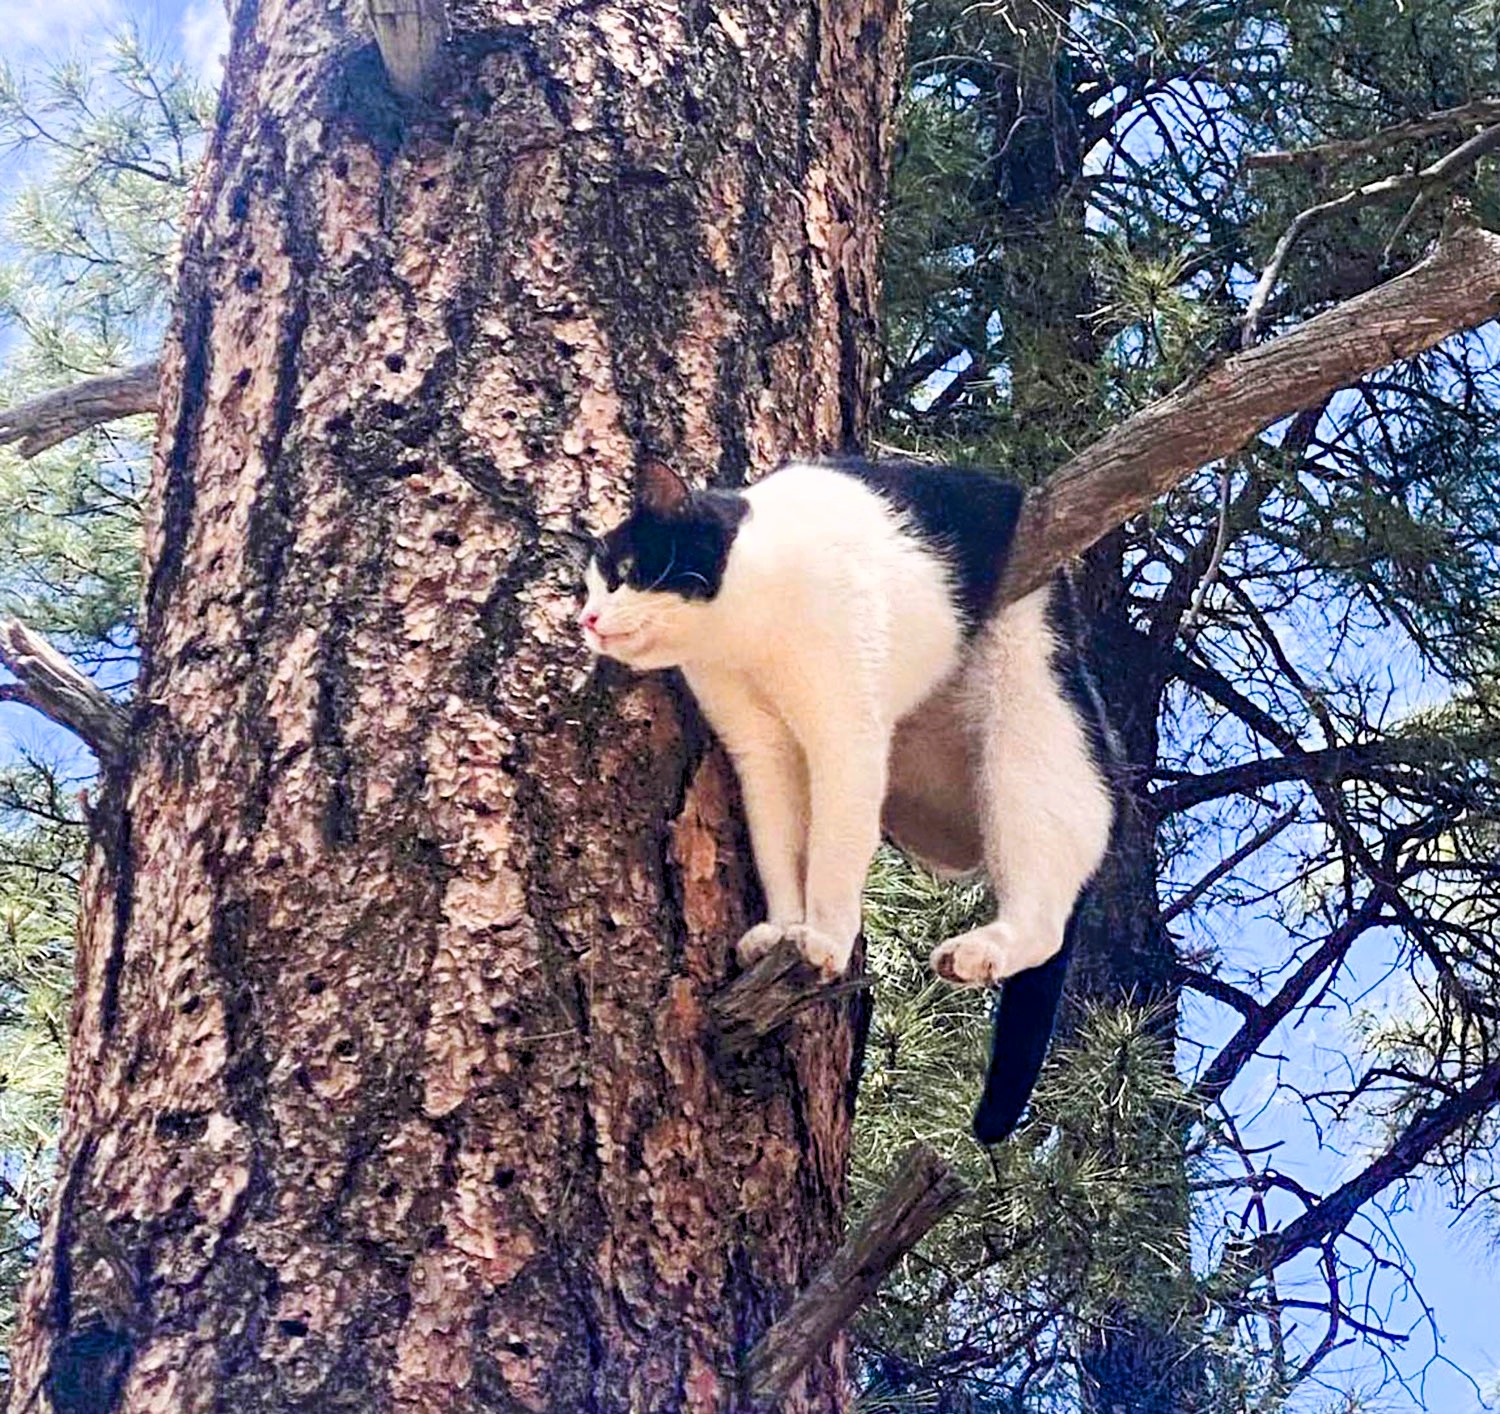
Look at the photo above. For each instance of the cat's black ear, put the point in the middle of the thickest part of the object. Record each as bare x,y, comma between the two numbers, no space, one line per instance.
660,490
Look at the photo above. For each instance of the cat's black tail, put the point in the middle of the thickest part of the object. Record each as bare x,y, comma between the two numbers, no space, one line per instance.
1024,1018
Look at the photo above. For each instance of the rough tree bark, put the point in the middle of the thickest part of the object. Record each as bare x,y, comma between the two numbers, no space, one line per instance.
389,1088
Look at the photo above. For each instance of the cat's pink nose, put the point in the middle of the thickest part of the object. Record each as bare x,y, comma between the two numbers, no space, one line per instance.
589,618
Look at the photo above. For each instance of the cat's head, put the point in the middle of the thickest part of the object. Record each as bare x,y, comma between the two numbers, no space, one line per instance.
654,578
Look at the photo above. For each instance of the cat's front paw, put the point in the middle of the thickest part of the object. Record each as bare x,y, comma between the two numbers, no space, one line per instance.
758,942
817,947
821,949
985,957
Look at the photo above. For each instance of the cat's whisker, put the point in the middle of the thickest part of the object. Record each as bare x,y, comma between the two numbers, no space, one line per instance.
662,576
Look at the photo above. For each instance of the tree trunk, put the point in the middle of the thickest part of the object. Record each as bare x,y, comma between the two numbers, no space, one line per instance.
1136,1356
389,1087
1133,1357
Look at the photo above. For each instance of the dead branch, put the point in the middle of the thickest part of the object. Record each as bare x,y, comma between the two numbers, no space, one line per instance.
1329,765
1482,112
1438,178
766,997
1329,1217
410,35
54,417
924,1191
1456,287
1424,184
51,685
1206,984
1220,1073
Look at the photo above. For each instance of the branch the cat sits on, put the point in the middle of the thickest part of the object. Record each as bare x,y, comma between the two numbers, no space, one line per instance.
840,626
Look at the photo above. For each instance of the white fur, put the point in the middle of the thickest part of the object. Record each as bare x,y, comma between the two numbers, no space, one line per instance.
833,627
1045,810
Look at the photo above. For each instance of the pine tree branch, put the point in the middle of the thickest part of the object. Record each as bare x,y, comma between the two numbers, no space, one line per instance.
1213,685
1424,184
50,684
1331,1216
1483,111
1457,287
1220,1073
924,1191
1208,985
1329,766
410,35
1258,841
54,417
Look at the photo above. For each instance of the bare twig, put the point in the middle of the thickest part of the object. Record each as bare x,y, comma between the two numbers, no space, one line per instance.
924,1191
1220,1072
56,689
1224,867
766,997
1208,985
1411,1146
1439,177
410,35
1329,765
1456,287
1483,111
1429,180
54,417
1188,628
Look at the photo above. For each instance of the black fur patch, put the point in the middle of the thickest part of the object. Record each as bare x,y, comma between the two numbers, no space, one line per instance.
967,517
683,553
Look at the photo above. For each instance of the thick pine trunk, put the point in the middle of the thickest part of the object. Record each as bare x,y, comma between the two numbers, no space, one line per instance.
390,1087
1137,1356
1133,1357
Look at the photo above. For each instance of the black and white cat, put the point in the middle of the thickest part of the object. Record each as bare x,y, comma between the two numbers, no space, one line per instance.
838,624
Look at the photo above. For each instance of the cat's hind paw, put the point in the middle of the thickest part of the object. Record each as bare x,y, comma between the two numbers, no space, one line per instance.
758,942
985,957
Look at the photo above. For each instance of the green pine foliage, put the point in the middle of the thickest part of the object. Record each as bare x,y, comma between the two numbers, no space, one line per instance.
41,848
1075,232
101,153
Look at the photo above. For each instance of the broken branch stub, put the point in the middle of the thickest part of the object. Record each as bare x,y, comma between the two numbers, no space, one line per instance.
924,1191
766,997
54,687
410,35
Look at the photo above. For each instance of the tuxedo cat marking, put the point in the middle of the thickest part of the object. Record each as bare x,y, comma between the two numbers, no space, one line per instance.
839,625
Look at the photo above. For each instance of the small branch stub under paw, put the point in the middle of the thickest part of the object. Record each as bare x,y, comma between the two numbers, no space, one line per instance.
924,1191
766,997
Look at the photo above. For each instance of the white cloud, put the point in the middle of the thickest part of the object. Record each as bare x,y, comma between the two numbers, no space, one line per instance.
205,38
53,26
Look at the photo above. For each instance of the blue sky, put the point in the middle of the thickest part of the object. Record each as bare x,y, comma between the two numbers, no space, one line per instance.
196,30
1456,1266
